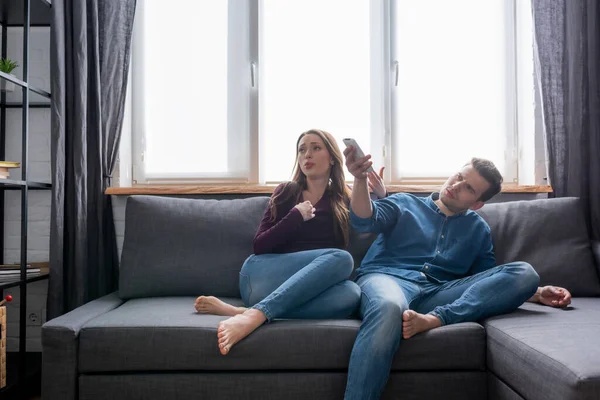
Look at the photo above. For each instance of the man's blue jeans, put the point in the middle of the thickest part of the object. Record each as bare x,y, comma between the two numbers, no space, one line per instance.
498,290
310,284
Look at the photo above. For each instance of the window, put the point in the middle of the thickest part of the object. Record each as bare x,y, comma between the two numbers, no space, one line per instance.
189,79
422,86
455,85
315,63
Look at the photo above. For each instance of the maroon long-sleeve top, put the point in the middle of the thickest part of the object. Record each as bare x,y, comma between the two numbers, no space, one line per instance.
289,233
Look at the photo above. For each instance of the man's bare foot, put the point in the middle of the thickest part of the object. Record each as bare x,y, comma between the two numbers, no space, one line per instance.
234,329
212,305
413,323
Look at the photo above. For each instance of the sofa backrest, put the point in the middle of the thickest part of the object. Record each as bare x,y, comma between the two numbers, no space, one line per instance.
551,235
186,247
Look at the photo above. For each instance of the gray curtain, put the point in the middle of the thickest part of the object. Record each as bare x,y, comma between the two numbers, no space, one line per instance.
90,49
567,56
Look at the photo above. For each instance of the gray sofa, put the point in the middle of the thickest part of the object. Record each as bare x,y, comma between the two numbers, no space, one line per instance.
147,342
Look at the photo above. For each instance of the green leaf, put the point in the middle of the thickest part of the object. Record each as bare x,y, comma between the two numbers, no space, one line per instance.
7,65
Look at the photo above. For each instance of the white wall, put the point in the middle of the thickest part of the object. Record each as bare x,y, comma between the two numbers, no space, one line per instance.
39,170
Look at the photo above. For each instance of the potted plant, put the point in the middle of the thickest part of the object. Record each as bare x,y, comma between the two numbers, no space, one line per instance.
6,66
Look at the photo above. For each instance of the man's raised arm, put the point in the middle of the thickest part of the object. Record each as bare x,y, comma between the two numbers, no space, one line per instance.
361,201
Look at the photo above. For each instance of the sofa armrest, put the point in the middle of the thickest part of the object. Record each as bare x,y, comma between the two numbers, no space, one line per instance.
596,251
60,346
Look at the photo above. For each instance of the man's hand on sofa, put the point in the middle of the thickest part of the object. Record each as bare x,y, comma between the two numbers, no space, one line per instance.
552,296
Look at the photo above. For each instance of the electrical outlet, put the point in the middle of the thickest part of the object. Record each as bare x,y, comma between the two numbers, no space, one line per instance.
34,317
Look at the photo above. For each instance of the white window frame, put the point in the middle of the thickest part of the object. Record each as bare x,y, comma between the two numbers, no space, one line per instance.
515,119
379,44
245,114
241,101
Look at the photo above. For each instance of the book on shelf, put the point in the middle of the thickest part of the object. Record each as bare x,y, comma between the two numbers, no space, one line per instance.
40,267
12,275
5,167
14,278
17,272
4,173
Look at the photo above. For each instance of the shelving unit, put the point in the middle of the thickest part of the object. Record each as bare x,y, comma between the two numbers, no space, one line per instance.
25,14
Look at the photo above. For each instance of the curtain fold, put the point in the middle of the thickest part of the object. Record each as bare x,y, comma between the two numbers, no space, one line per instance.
90,53
567,56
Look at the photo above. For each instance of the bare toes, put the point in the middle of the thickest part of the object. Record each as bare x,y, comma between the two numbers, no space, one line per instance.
408,315
224,347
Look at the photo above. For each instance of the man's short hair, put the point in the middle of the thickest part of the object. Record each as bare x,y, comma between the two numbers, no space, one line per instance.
490,173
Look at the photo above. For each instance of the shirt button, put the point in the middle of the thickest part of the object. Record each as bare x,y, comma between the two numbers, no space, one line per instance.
442,236
426,267
438,252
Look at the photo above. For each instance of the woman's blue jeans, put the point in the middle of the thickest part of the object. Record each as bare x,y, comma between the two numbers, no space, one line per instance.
310,284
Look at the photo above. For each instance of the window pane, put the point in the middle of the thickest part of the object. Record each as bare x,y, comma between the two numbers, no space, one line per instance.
184,63
315,61
451,99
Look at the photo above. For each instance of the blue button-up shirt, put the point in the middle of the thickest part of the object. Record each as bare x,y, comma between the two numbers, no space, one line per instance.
416,237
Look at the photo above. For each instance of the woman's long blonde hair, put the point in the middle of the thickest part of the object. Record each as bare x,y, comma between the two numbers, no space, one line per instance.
339,194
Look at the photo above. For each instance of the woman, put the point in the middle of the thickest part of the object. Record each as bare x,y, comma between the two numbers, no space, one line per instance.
298,269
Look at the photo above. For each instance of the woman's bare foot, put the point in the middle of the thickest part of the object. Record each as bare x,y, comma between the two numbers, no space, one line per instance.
413,323
234,329
212,305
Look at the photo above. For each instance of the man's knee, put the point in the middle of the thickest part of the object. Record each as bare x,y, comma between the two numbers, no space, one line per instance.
385,314
382,322
528,278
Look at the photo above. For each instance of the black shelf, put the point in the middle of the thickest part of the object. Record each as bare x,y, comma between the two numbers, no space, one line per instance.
31,105
21,83
17,280
12,183
18,184
11,13
12,78
22,375
39,185
40,92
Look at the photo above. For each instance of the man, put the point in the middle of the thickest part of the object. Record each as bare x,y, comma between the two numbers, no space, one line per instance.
431,265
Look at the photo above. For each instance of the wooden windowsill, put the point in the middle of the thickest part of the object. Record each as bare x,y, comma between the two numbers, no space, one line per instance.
268,189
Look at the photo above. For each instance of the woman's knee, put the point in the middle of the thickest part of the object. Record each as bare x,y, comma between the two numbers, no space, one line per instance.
342,262
349,298
247,267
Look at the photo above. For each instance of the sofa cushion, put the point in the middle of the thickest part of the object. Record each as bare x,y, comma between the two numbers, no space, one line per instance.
177,247
548,353
159,334
551,235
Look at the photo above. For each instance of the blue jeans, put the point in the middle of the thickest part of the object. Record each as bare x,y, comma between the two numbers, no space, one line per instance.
310,284
498,290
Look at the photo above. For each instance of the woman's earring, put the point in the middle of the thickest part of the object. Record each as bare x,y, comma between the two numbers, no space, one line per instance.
332,162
